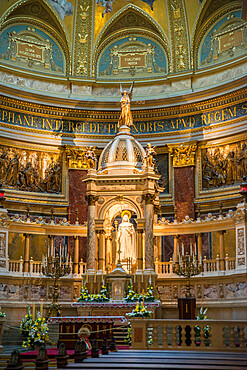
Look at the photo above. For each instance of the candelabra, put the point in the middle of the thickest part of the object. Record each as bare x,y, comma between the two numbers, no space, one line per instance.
55,268
187,266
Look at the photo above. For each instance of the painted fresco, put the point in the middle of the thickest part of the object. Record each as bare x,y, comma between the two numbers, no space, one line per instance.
157,10
63,7
135,56
227,39
31,48
109,4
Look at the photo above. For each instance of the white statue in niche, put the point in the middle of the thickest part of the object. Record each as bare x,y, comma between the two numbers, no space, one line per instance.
126,238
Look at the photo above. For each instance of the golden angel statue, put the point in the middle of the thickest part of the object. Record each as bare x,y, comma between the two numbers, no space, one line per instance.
125,116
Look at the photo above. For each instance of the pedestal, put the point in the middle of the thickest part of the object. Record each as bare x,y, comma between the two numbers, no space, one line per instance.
186,308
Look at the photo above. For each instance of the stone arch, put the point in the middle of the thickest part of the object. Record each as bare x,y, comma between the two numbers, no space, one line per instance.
210,11
110,203
130,20
39,13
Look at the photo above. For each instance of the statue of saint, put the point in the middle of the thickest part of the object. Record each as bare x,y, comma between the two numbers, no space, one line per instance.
126,238
126,116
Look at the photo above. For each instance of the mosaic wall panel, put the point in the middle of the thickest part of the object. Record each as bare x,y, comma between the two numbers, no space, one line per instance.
225,40
135,56
29,47
30,170
224,165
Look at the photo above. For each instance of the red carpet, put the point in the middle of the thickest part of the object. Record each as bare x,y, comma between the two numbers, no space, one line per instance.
52,353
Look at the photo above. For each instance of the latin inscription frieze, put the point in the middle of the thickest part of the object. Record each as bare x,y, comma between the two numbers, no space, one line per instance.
107,127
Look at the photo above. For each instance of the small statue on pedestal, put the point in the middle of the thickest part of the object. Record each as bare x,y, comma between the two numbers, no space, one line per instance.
148,159
91,157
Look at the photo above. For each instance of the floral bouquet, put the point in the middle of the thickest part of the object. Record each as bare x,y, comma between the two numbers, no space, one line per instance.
139,311
2,314
35,330
149,296
102,296
84,296
132,295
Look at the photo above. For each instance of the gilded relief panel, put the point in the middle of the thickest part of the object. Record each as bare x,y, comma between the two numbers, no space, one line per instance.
224,165
30,170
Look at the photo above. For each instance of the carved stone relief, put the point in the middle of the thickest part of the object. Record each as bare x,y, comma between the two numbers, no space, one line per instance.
223,165
30,170
240,236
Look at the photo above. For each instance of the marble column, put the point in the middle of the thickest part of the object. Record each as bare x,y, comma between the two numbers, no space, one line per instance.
149,220
76,255
51,246
175,247
91,236
199,245
108,253
101,250
139,249
184,194
26,253
222,249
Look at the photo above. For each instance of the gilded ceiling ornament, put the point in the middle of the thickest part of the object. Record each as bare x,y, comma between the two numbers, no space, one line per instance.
183,155
179,35
82,54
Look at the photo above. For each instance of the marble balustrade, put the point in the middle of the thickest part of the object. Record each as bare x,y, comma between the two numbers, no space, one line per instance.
224,335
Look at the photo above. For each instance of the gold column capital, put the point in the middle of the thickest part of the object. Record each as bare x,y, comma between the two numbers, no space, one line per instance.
183,155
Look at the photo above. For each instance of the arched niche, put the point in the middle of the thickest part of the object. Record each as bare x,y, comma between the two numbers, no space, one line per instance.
225,40
33,38
113,207
132,30
211,13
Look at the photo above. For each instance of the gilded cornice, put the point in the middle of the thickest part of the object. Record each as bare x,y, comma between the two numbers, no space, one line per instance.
171,112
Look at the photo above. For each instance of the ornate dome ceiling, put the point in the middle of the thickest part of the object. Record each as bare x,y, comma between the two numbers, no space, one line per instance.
81,50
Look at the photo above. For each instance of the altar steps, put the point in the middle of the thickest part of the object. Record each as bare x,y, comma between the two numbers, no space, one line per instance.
120,334
141,360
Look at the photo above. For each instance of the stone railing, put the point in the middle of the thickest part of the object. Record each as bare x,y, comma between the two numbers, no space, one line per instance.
16,267
210,335
213,267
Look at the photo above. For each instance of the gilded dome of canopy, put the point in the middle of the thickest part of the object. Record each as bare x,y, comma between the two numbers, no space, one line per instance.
122,155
